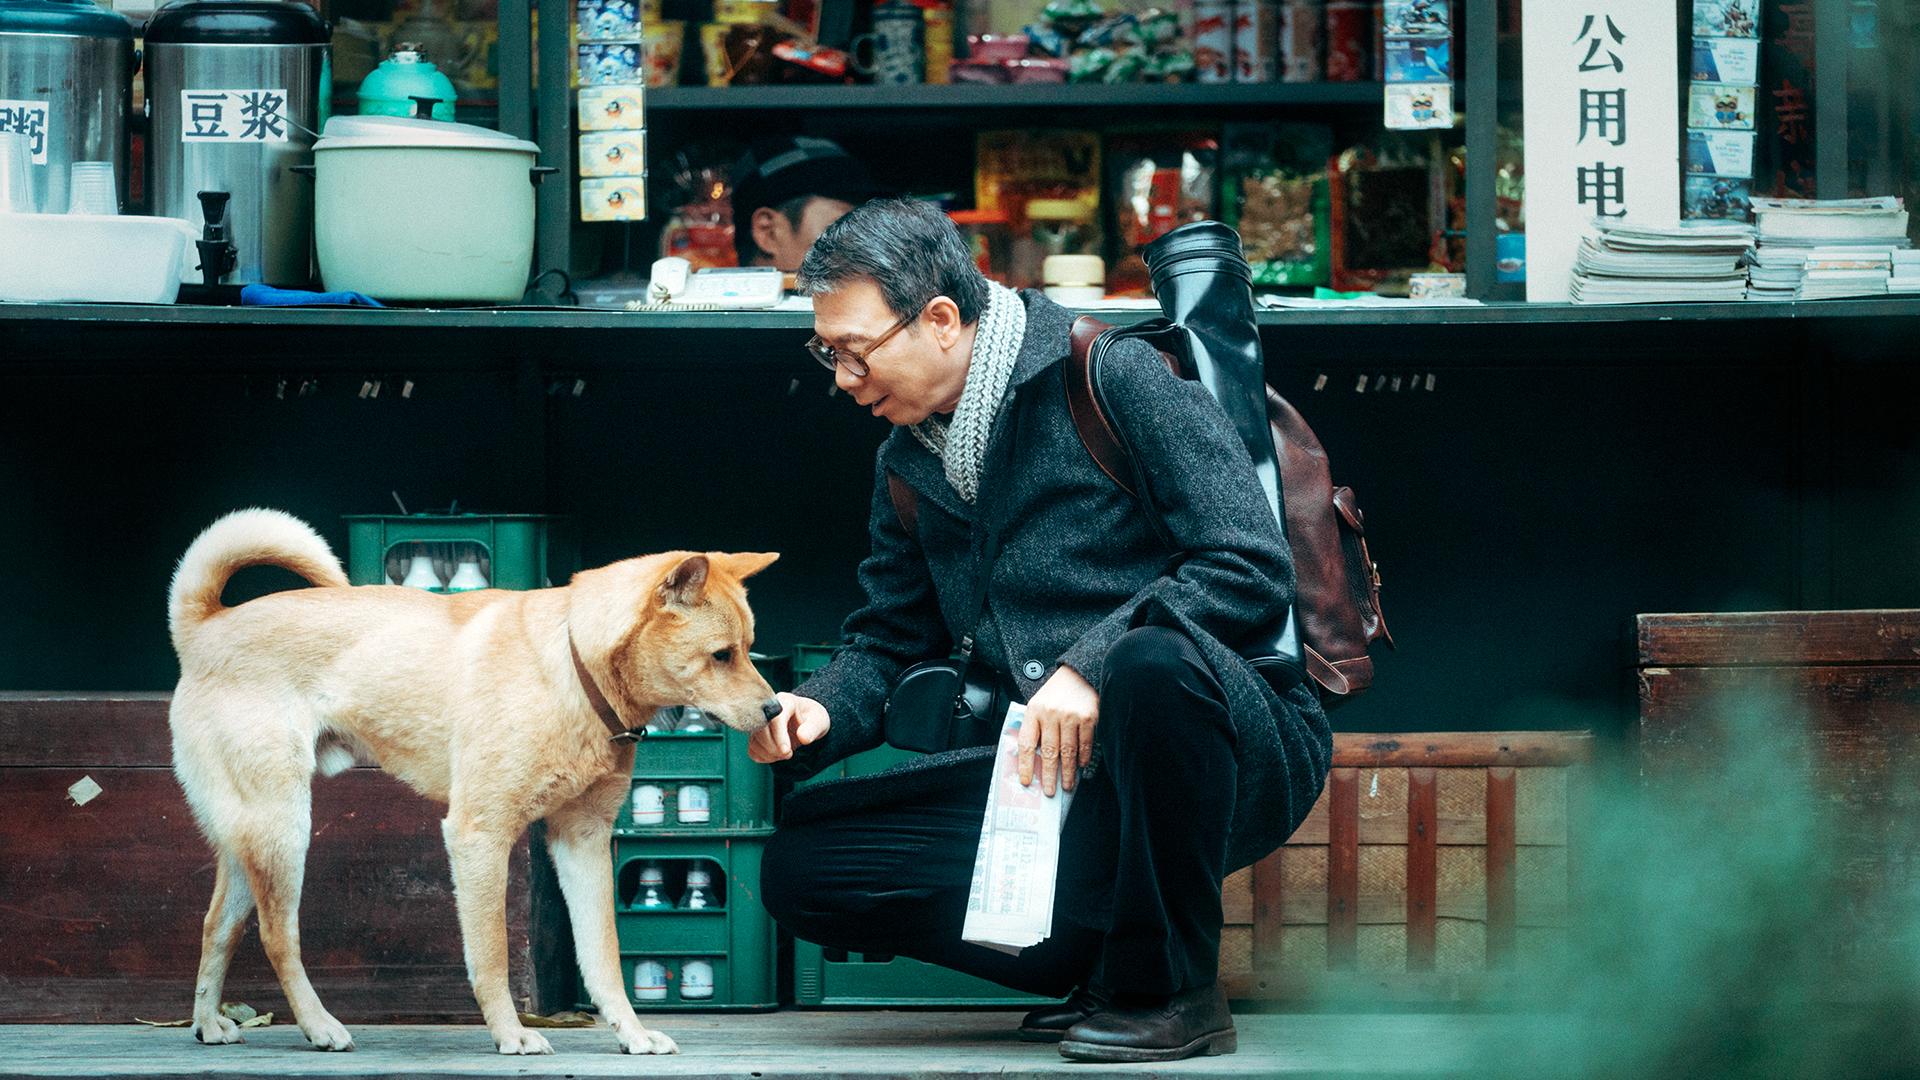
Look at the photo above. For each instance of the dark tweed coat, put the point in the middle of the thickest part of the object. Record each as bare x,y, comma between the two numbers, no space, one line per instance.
1078,566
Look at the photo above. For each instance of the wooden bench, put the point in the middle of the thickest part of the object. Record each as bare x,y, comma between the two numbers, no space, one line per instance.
1431,866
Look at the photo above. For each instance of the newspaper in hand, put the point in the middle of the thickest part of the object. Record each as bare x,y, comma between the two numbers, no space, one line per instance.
1011,904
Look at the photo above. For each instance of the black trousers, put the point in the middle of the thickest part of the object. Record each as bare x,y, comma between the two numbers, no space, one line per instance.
1143,853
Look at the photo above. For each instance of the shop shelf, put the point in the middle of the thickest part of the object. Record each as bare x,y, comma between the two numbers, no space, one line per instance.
737,937
526,551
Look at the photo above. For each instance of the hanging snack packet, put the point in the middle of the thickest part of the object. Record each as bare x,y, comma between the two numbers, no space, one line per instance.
1274,192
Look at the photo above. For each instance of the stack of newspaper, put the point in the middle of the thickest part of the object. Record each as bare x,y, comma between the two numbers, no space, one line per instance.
1622,261
1820,249
1010,906
1906,274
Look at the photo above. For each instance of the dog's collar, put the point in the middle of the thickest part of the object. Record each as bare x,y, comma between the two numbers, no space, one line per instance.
601,706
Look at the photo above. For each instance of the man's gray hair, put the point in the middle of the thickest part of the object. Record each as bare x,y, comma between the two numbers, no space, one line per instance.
908,247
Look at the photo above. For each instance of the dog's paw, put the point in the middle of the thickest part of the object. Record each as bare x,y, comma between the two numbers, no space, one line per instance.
328,1034
644,1041
217,1031
524,1042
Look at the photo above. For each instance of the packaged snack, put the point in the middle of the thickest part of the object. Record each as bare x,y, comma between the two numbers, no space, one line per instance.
1274,188
1158,179
613,153
611,108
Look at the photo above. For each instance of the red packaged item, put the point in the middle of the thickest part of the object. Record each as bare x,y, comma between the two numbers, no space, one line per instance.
1157,181
1349,30
813,57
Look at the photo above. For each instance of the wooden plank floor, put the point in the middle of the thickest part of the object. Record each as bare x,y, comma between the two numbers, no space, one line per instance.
770,1046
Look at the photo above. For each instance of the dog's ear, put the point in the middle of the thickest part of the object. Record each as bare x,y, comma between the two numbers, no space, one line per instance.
685,584
745,564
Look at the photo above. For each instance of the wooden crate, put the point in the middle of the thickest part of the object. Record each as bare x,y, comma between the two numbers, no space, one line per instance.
1432,867
1833,699
104,900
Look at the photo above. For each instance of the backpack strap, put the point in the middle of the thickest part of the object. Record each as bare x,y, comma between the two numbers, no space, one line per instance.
1097,432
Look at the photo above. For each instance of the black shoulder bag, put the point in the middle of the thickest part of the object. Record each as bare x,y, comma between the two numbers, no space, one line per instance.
957,702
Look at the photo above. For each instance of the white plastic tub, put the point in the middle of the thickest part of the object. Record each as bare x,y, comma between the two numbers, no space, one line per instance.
412,209
83,258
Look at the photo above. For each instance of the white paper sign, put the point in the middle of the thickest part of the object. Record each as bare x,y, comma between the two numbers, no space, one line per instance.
1602,134
233,116
1011,903
29,117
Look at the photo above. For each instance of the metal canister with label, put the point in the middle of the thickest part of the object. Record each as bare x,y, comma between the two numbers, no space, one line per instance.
1256,38
235,96
1302,23
1213,41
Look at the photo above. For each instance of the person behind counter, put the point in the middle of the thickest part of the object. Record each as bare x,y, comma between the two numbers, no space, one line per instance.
1185,765
786,191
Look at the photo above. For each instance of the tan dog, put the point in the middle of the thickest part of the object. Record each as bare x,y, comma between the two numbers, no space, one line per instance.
485,701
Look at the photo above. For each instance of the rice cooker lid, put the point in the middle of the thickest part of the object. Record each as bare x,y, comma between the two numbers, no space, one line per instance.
366,132
79,18
237,22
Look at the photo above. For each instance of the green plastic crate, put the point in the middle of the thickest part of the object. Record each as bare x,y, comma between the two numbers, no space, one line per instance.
526,551
898,980
737,938
808,659
740,789
892,981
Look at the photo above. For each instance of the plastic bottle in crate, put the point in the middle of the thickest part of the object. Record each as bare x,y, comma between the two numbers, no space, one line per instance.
694,805
696,979
650,981
699,895
466,575
653,886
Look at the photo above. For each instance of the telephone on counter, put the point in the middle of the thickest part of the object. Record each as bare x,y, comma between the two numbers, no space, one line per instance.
675,284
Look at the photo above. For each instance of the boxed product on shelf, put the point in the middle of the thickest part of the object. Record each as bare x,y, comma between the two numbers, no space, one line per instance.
1385,221
717,955
516,551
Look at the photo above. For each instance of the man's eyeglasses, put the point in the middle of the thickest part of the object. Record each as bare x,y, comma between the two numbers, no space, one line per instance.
855,363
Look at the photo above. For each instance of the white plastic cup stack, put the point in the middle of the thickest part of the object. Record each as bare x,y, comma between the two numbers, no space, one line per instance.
92,189
16,174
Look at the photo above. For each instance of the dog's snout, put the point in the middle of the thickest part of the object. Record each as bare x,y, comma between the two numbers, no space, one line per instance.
770,708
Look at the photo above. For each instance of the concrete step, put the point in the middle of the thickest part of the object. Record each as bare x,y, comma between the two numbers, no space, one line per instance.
784,1045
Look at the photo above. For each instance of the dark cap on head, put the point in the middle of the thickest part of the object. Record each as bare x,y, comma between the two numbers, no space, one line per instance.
782,168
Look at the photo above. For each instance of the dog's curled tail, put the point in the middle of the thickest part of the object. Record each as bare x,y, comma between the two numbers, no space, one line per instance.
241,539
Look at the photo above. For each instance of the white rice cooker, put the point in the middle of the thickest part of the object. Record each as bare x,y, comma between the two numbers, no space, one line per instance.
408,208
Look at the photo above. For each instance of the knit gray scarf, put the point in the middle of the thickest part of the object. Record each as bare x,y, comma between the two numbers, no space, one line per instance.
961,443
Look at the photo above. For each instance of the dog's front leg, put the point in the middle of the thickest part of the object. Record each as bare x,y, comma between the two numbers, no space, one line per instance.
578,837
478,855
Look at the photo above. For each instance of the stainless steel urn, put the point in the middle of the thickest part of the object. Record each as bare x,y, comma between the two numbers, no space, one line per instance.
234,102
66,80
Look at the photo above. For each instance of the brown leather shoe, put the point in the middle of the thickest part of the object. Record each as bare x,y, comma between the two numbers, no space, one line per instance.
1049,1022
1188,1024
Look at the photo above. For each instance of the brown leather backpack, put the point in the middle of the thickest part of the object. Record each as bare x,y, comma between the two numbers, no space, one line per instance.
1337,584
